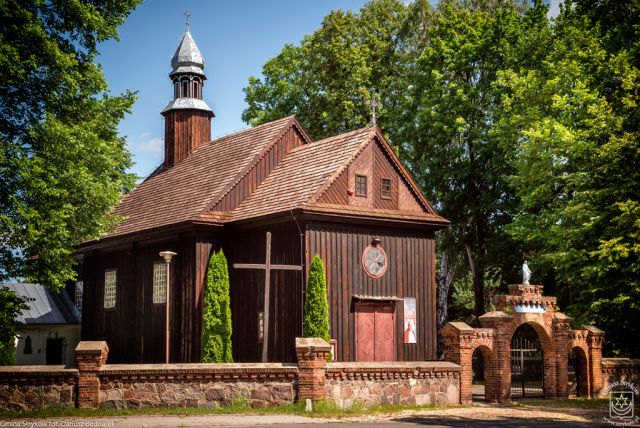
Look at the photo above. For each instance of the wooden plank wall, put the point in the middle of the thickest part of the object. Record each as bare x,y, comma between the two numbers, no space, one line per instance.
135,328
410,273
382,168
376,165
185,131
247,292
248,184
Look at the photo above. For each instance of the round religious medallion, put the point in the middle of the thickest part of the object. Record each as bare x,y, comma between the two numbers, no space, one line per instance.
374,261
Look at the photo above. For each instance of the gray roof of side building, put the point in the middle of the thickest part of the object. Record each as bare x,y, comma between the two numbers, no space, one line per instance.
45,306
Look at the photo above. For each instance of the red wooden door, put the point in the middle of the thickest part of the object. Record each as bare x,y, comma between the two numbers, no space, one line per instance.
375,332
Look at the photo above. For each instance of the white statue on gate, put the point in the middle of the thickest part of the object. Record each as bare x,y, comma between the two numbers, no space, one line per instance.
526,273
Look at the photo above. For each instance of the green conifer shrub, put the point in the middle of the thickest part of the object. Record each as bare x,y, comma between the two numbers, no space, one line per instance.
216,318
316,307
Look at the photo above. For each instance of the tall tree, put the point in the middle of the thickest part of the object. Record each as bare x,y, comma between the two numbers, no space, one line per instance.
62,163
316,306
216,319
328,80
445,126
12,305
578,165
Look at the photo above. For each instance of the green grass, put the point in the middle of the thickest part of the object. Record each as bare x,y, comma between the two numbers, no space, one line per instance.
321,409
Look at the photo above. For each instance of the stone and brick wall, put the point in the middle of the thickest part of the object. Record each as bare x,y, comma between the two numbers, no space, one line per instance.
96,384
617,370
404,383
196,385
37,387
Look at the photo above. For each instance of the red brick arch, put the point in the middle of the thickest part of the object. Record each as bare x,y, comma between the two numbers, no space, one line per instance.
524,305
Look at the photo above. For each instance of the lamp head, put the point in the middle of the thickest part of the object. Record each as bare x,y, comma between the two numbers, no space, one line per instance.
167,255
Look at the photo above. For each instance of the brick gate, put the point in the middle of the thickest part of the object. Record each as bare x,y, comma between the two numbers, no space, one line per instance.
525,304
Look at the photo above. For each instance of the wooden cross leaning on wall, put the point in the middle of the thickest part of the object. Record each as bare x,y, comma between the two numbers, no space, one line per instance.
267,267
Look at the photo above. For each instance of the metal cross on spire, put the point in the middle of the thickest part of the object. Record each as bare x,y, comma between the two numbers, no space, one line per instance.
374,104
187,14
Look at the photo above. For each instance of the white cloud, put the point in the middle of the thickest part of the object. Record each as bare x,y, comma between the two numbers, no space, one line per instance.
554,8
152,145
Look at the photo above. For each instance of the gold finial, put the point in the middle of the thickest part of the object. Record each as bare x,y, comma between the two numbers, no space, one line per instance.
187,14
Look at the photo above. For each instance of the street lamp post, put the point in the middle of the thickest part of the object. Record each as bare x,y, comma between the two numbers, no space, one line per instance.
167,255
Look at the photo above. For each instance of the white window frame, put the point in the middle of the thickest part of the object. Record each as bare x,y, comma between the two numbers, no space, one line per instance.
159,283
78,295
110,288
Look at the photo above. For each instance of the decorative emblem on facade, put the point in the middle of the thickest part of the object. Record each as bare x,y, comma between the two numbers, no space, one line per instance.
374,260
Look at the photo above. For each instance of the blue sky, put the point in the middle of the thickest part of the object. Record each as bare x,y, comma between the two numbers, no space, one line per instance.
235,37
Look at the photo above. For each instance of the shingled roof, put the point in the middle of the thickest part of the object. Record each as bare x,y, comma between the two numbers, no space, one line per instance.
299,176
186,191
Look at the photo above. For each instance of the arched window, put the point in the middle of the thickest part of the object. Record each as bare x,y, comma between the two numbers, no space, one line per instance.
176,89
27,345
196,90
185,89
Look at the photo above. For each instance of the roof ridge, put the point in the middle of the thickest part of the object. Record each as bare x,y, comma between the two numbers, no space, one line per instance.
250,128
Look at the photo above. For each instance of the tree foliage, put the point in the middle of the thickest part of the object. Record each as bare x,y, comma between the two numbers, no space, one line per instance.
62,163
216,319
577,169
12,305
445,126
521,129
328,80
316,307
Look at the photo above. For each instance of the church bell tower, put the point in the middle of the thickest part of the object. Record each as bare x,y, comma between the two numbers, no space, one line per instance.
187,118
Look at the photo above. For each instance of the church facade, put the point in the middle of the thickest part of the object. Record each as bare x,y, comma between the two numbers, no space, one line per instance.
271,198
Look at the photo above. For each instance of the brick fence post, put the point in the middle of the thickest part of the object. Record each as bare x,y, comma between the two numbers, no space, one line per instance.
312,356
458,349
91,356
595,340
561,325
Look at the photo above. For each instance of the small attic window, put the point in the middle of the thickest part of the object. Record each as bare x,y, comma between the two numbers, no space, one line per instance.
361,185
385,188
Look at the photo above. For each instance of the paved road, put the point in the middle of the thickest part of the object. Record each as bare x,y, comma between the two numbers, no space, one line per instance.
289,421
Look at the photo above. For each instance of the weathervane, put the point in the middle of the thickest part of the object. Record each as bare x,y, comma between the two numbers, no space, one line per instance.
374,104
187,14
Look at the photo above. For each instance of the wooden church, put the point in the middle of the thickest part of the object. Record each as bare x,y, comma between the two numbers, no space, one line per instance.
271,198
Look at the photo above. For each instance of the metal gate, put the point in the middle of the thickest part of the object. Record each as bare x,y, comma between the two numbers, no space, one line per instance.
527,364
574,374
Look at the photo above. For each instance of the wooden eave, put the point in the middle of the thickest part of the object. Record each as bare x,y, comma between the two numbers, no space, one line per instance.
148,236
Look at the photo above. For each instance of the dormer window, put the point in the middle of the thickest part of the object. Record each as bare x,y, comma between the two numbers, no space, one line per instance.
361,185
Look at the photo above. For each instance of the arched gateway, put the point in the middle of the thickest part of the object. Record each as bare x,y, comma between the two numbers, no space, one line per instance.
526,349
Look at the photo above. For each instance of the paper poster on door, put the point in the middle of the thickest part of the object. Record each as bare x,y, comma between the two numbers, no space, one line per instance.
410,320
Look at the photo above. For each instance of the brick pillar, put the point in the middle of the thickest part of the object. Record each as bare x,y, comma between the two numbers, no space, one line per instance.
91,356
561,324
458,349
312,353
502,325
595,340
